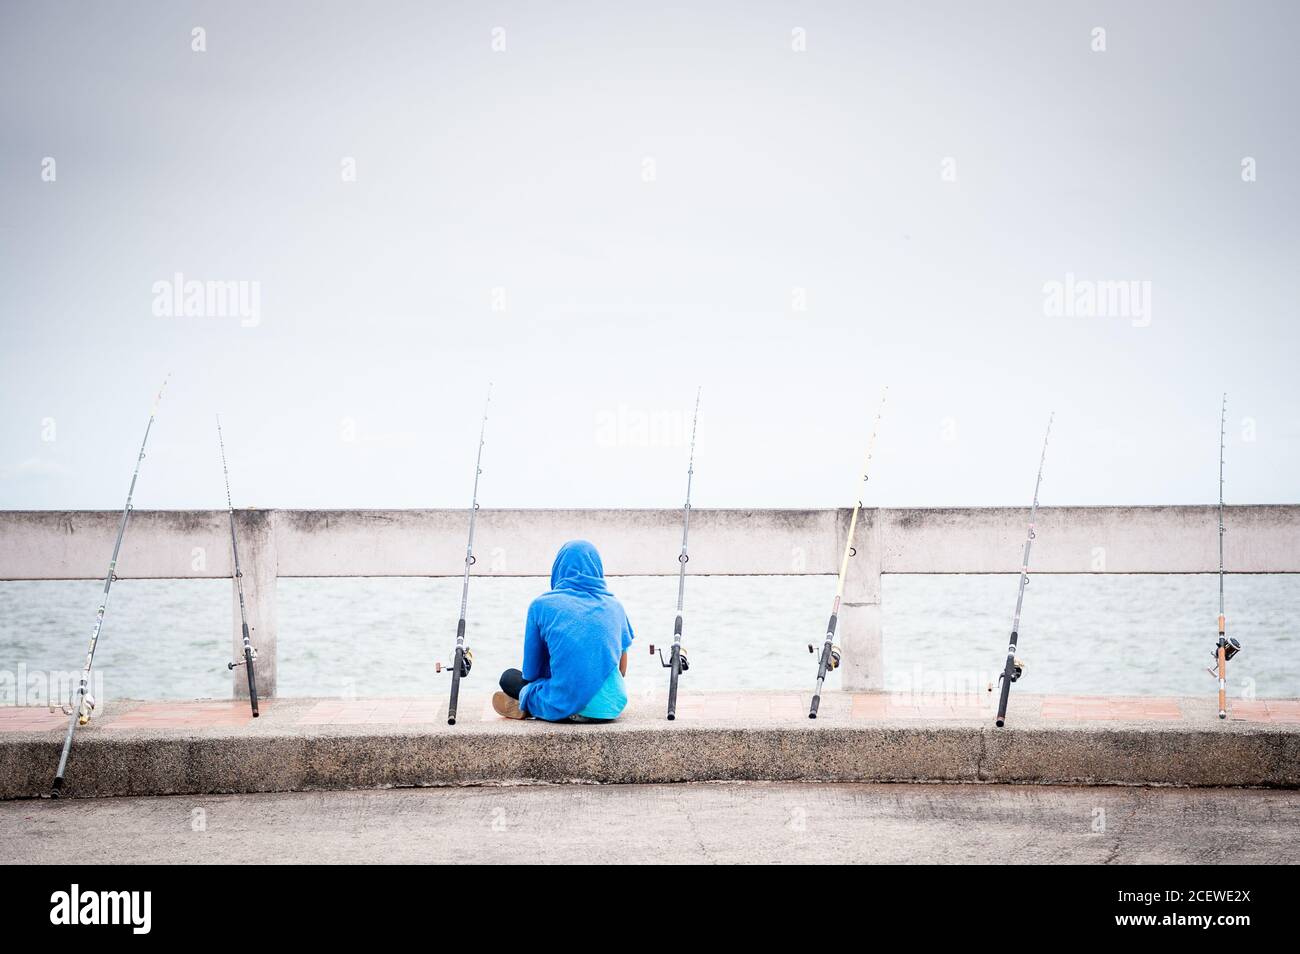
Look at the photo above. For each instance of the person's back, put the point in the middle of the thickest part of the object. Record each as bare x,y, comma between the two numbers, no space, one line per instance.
575,647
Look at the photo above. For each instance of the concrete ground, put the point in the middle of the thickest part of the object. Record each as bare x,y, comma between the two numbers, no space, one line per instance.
752,822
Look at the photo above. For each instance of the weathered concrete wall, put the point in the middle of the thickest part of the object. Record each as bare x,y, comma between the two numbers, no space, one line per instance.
156,763
259,561
163,544
1261,538
42,545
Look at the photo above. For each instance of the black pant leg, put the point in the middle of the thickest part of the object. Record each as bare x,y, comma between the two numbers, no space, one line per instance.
512,682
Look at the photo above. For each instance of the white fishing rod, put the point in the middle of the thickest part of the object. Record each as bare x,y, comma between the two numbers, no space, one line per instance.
1014,668
82,702
1226,647
830,654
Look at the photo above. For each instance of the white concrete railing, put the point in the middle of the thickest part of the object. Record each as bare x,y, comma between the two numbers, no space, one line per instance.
176,544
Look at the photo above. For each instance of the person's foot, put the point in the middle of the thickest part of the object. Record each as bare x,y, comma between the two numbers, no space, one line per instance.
506,707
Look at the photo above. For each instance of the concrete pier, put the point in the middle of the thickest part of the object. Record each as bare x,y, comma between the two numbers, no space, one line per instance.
194,748
213,746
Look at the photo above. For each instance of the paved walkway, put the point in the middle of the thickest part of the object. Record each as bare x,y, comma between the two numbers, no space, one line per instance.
755,707
749,822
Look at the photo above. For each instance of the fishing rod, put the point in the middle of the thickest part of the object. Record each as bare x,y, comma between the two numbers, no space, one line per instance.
81,703
464,656
1014,668
250,653
830,655
1226,647
677,661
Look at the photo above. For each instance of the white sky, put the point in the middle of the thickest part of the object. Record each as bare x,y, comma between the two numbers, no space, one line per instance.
523,170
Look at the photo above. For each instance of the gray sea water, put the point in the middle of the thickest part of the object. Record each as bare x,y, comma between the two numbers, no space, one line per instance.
1140,635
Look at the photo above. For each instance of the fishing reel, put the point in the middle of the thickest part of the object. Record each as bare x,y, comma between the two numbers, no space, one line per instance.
667,663
466,663
1230,648
835,655
83,710
1017,670
243,662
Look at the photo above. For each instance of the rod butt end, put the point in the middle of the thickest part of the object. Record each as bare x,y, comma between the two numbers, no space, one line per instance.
1000,723
451,720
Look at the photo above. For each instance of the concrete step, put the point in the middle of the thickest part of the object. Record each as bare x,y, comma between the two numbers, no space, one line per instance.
209,746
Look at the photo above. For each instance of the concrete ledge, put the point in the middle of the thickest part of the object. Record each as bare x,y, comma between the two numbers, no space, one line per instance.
284,751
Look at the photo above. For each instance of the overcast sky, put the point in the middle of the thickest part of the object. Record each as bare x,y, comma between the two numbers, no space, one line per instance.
601,206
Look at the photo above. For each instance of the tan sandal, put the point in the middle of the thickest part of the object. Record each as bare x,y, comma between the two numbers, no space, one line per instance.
507,707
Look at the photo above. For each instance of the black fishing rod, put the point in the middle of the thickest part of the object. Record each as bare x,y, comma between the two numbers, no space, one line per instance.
82,703
464,656
250,653
677,661
830,654
1226,647
1014,668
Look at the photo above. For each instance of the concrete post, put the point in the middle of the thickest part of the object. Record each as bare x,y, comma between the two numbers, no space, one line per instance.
860,640
259,561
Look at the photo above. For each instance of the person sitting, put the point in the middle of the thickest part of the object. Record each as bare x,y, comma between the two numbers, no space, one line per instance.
575,647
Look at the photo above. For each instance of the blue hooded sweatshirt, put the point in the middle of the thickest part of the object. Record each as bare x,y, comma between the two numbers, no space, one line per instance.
573,639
